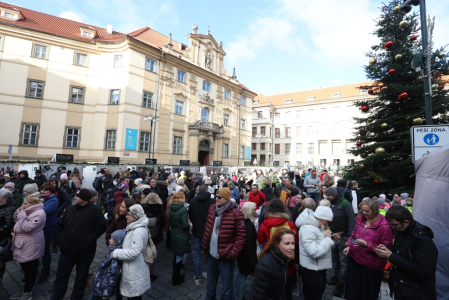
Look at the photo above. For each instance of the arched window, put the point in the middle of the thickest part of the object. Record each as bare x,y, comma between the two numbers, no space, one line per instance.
205,114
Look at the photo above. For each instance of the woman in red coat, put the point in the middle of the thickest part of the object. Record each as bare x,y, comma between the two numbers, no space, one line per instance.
275,216
256,196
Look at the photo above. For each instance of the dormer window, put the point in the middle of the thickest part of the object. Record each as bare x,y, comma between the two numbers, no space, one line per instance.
363,92
11,14
288,101
310,98
87,32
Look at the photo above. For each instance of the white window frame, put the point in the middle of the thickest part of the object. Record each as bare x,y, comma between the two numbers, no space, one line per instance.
311,148
243,124
299,131
243,100
33,87
30,133
72,136
277,116
226,119
40,51
227,94
177,144
206,86
182,76
144,142
298,148
181,105
111,136
205,118
118,61
79,59
242,152
147,100
114,92
72,93
225,150
150,64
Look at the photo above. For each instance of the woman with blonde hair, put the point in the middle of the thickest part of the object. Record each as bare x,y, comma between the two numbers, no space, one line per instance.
77,178
364,266
28,243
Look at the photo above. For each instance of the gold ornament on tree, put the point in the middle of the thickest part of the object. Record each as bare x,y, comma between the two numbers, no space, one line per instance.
398,57
361,166
380,150
363,155
372,61
383,21
384,125
396,9
418,121
441,55
403,24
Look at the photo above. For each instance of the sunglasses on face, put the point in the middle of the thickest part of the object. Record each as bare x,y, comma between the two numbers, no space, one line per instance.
219,197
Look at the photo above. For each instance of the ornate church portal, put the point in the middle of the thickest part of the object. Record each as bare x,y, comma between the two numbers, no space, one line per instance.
205,142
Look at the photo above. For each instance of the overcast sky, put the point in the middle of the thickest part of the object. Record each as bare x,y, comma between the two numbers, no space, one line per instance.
291,44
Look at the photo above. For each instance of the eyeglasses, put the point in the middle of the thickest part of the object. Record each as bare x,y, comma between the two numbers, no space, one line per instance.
219,197
395,225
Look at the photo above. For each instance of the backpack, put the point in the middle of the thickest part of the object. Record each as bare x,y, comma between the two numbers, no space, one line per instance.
110,208
283,225
97,183
153,226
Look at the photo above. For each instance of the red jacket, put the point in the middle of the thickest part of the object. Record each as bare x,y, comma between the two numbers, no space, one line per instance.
232,235
256,198
272,220
322,176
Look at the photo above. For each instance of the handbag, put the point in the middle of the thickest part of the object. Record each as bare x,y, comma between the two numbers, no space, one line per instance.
150,253
152,226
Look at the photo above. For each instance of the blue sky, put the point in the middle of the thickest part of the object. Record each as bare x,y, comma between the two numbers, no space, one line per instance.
294,44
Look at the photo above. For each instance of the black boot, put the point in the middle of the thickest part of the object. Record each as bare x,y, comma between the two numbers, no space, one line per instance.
42,277
338,291
177,278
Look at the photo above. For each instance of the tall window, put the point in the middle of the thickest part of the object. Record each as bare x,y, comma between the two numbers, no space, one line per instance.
323,147
35,89
110,140
179,106
299,132
29,136
118,61
323,131
254,131
147,100
145,141
310,131
311,114
226,120
336,148
271,131
206,86
299,114
277,148
253,146
242,124
277,116
262,131
181,76
262,146
269,146
310,148
259,115
81,60
40,51
298,149
149,64
72,138
77,95
225,150
205,114
228,94
177,145
287,131
115,96
287,115
277,133
243,100
242,152
287,148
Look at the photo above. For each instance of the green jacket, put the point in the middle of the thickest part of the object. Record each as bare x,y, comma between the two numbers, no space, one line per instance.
18,199
179,225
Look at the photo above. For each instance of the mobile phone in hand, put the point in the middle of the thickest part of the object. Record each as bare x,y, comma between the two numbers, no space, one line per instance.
336,233
375,246
355,242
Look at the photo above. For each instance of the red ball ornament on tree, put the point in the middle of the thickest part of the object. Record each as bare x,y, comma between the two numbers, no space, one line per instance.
370,91
364,108
388,45
358,144
391,71
376,181
413,37
441,87
403,96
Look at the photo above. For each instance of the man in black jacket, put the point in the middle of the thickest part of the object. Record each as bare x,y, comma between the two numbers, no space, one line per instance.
22,180
344,224
76,235
198,209
39,178
7,209
413,256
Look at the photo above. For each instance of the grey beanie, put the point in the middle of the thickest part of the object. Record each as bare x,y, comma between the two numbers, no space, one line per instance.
404,195
137,211
118,236
380,201
331,192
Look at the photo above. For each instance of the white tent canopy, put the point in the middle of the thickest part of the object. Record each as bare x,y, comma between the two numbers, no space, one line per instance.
431,208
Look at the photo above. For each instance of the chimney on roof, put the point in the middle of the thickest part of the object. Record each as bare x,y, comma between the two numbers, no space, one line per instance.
170,44
109,29
234,75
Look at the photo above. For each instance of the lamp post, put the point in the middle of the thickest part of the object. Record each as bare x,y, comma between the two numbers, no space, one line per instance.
406,7
152,120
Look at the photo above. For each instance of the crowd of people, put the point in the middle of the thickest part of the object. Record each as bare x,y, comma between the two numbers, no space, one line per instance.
271,226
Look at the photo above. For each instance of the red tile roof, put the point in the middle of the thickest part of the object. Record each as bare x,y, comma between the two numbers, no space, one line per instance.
155,39
55,25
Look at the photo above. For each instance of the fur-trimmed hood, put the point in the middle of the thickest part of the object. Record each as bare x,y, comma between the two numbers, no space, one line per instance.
276,219
278,215
177,201
152,198
165,183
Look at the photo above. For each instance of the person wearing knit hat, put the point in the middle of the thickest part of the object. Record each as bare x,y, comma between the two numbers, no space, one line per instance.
179,189
123,187
383,196
94,195
10,186
137,212
136,194
409,203
31,189
180,181
398,200
82,195
324,213
383,205
138,182
404,195
63,176
343,222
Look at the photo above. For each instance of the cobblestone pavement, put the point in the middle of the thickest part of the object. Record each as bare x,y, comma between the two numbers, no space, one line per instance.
161,289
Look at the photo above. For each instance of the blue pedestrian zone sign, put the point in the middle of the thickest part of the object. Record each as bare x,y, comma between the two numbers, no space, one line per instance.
431,139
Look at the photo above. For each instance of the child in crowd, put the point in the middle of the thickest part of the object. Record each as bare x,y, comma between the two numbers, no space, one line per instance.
107,280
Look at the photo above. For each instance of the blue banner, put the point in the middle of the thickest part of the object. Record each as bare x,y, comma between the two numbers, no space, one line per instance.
131,139
248,152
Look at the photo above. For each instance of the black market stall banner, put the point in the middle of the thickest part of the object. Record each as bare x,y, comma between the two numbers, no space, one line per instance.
247,163
65,158
184,162
217,163
149,161
113,160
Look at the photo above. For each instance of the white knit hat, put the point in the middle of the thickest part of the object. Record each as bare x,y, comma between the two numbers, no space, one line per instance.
178,188
324,213
137,211
138,181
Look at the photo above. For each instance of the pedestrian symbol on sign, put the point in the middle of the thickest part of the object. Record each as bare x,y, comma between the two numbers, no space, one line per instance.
431,139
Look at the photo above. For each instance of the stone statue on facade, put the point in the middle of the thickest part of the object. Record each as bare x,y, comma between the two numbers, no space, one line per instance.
195,28
208,60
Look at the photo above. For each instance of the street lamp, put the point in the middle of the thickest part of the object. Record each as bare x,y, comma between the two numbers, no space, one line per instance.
152,120
405,8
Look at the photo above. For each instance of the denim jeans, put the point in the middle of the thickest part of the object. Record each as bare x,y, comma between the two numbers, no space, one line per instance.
339,261
65,267
197,257
240,281
46,259
314,196
224,268
93,297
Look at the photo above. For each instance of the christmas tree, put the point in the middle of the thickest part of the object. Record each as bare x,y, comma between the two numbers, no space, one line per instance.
382,135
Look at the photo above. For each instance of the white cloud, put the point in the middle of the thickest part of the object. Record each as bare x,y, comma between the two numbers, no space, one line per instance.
72,16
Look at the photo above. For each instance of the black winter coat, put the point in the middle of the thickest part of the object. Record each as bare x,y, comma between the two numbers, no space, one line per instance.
7,211
270,276
414,258
247,259
198,210
40,180
79,229
299,182
71,190
156,210
21,182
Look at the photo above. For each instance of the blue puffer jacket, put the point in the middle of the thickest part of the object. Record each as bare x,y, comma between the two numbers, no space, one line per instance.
107,278
51,210
235,193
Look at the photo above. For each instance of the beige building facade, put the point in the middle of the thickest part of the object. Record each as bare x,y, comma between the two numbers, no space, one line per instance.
73,88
